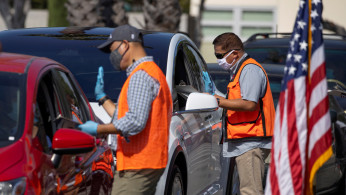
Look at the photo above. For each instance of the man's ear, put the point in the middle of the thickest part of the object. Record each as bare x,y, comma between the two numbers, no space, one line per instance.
126,44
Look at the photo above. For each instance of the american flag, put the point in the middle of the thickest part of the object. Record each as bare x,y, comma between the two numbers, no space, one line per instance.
302,132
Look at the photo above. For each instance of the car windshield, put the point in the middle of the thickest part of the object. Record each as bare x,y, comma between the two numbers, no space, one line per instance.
10,107
77,50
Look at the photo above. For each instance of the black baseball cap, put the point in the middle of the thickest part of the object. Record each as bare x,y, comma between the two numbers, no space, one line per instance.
123,32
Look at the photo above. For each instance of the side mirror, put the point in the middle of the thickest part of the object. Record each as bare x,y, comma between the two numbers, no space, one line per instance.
71,141
201,102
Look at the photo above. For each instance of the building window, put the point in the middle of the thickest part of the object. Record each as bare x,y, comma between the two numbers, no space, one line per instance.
217,15
212,31
261,16
243,21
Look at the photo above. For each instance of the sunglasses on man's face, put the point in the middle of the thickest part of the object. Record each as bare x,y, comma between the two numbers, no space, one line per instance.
221,55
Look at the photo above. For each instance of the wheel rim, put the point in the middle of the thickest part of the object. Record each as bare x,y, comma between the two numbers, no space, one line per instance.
177,187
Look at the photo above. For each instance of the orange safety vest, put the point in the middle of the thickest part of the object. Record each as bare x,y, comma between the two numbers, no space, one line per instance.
104,163
149,148
250,124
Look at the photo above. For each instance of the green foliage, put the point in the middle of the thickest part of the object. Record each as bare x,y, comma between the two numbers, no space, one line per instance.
185,5
57,13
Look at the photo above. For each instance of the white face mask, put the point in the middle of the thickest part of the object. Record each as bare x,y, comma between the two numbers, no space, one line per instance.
223,63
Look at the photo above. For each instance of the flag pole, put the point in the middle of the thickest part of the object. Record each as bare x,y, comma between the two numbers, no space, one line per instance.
308,190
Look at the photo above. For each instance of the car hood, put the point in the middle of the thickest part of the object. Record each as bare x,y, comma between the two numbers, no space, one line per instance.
10,156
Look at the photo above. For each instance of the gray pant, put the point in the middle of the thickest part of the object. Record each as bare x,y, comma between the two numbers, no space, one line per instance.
250,166
136,182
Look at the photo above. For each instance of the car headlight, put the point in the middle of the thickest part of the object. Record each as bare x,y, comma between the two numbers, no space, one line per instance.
14,187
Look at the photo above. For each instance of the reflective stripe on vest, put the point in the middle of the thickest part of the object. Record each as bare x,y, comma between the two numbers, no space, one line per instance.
149,148
250,124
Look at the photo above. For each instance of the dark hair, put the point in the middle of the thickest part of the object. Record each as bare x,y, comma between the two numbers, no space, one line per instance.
228,41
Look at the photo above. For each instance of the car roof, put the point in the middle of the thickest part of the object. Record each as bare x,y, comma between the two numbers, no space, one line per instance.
17,63
76,49
263,40
68,37
20,63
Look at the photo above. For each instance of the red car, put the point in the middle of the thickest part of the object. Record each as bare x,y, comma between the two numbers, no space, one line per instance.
41,150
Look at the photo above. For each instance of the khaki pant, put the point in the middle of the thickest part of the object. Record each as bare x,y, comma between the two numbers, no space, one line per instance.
250,166
136,182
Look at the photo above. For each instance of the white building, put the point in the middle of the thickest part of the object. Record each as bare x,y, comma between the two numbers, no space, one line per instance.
247,17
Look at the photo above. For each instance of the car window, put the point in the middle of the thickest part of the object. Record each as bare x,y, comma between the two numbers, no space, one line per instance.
46,111
11,110
193,68
39,129
72,104
268,55
181,80
204,79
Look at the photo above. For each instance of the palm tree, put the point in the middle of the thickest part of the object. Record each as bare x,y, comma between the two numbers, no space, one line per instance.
113,13
96,13
14,18
162,15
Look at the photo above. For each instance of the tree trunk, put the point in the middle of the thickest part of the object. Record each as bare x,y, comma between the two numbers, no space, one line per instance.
195,29
109,13
57,13
162,15
14,17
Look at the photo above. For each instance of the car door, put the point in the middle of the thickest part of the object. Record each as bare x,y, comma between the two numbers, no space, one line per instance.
212,122
53,111
74,108
192,125
93,170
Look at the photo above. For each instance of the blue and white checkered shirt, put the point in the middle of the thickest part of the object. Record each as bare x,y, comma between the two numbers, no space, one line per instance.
142,91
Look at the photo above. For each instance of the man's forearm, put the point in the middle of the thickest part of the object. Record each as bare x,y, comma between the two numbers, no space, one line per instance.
107,129
237,104
109,106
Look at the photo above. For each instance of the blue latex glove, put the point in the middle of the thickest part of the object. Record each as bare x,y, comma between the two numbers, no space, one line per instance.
99,88
208,84
89,127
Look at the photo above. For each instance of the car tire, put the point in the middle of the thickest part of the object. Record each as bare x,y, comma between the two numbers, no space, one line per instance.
176,182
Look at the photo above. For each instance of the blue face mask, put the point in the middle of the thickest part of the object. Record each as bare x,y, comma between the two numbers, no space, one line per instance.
115,58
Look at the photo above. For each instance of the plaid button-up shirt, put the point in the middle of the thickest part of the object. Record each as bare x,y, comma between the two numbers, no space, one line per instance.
142,91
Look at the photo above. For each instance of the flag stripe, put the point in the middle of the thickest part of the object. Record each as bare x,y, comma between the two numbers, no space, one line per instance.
317,95
273,180
317,59
318,76
294,154
301,118
320,128
322,144
283,168
319,112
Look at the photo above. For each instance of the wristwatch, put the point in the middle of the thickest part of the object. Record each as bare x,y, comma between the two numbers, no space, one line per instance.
103,100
